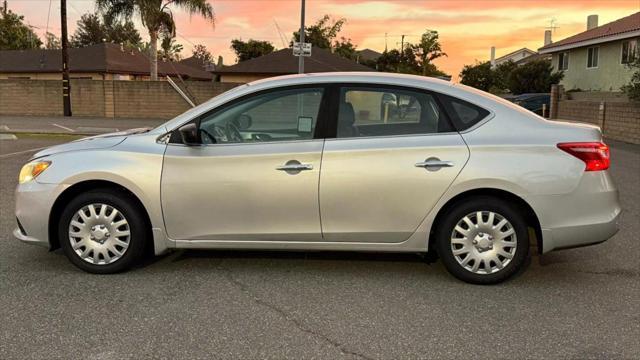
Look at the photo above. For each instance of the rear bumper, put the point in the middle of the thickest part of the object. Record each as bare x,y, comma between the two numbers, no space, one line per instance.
581,235
587,215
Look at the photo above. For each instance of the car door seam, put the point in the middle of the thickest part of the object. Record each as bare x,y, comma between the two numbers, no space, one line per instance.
319,177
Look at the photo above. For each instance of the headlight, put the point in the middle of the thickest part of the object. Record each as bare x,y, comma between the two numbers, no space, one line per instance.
32,170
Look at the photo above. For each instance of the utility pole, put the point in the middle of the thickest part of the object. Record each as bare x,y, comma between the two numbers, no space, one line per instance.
385,42
66,85
4,9
301,58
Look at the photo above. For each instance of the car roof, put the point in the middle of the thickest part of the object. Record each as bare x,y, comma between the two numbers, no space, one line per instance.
352,76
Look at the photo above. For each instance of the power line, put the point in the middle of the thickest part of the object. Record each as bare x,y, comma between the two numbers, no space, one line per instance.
48,14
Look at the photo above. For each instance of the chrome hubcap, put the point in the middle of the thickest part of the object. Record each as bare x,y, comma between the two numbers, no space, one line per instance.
99,234
483,242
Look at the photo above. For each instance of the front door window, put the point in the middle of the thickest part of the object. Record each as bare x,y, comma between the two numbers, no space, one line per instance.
283,115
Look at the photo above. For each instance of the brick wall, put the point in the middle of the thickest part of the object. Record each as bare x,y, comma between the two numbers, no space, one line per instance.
87,97
586,111
622,122
618,120
30,97
122,99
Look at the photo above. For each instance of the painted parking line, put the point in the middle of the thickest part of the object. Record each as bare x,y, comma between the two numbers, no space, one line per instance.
63,127
22,152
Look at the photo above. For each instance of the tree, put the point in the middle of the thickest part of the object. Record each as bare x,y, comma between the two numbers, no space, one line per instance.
169,49
156,16
90,31
479,76
345,48
200,52
322,33
121,32
414,59
632,89
51,42
93,30
14,34
396,62
427,50
251,49
533,77
501,76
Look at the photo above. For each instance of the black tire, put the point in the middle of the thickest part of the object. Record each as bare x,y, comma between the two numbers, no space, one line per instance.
472,205
121,201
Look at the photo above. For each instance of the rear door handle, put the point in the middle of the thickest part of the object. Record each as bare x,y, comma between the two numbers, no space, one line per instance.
434,164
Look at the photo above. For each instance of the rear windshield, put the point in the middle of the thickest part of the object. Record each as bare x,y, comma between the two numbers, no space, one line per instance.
463,114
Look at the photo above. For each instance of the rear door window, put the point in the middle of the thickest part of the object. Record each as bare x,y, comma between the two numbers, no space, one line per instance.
388,111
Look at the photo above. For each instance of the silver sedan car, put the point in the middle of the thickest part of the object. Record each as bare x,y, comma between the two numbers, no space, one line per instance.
334,161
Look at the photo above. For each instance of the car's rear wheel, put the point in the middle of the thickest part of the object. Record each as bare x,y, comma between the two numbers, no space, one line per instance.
483,240
102,231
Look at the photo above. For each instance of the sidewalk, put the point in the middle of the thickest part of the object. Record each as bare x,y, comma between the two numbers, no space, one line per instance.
10,124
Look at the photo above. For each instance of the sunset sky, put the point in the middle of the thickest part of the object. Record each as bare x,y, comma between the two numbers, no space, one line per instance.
467,28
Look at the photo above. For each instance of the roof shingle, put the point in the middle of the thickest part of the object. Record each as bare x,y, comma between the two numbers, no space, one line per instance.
283,62
618,27
101,58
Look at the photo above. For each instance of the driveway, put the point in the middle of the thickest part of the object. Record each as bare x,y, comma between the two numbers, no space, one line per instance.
578,304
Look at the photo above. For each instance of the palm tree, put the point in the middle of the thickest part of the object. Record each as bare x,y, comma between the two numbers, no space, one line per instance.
156,16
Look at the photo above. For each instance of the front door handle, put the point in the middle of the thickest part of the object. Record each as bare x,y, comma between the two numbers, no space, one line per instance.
434,163
294,165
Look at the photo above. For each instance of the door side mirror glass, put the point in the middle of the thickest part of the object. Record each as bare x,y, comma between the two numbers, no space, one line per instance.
189,134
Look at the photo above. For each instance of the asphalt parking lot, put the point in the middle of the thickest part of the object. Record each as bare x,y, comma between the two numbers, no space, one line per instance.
576,304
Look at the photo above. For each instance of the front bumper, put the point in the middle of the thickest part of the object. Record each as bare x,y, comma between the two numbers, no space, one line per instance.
18,234
34,201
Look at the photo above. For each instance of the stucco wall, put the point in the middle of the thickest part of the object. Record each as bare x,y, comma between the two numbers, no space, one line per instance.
125,99
610,74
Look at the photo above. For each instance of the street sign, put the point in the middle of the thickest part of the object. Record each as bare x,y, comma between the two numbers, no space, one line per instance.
304,50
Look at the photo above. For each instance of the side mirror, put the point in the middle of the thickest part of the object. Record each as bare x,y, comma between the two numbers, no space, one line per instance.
189,134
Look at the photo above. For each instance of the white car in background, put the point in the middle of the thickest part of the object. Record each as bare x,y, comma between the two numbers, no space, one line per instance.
334,161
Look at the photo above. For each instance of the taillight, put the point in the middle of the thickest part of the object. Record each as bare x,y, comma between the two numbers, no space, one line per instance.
594,154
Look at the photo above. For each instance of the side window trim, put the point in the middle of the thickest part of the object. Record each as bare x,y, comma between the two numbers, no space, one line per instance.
321,122
335,91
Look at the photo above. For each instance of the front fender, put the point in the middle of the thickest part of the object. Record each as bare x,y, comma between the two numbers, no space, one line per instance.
135,164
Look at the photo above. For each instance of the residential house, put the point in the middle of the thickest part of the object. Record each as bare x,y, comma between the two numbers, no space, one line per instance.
98,62
366,55
518,56
282,62
597,58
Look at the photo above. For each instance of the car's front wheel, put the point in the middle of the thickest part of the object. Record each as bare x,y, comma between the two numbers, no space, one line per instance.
102,231
483,240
